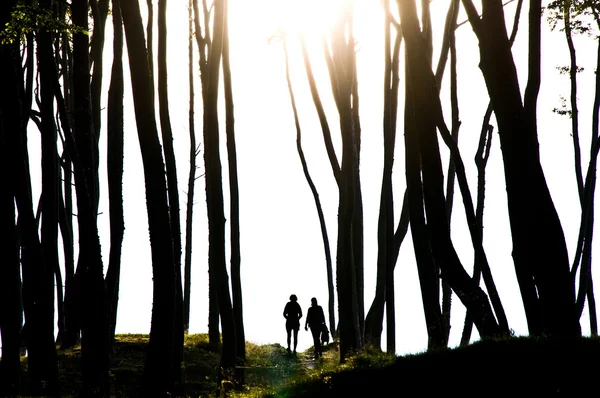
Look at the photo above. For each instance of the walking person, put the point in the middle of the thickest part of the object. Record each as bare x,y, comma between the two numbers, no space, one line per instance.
315,319
292,313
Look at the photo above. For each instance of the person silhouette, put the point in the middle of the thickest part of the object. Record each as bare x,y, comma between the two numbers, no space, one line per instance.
292,313
315,319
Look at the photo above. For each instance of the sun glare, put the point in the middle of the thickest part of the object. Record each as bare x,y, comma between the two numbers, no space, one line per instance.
305,17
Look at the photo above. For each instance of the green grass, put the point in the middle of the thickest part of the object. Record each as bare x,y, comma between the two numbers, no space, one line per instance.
515,367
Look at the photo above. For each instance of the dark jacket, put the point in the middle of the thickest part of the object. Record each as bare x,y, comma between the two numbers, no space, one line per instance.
292,312
315,318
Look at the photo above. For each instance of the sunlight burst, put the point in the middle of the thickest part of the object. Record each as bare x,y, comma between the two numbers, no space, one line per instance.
306,17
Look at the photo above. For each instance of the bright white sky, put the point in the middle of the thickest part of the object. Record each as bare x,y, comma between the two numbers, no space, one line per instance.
282,250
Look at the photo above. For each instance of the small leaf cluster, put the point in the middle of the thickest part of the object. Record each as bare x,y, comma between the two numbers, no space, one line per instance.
579,12
26,19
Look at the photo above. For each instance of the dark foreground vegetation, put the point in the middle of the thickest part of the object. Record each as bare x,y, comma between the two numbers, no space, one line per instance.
509,367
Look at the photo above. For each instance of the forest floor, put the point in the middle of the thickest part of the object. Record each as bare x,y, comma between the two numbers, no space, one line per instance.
516,366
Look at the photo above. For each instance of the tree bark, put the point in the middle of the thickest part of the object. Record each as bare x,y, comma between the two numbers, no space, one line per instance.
11,311
541,265
159,376
214,191
234,199
191,178
115,137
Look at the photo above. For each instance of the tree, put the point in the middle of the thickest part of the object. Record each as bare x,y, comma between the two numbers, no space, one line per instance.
387,253
423,101
11,311
349,269
191,177
214,186
574,16
335,168
541,266
234,200
205,46
172,188
115,169
159,376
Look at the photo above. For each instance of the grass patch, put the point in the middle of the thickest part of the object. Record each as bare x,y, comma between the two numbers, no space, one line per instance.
515,366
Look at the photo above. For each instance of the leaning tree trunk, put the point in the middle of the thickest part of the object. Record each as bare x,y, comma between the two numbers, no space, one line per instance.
336,172
159,376
424,95
542,265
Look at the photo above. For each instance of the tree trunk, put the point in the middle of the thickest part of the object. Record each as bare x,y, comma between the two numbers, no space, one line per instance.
172,192
214,191
385,231
205,50
191,179
541,265
94,314
423,92
159,377
115,170
234,200
349,248
11,311
336,172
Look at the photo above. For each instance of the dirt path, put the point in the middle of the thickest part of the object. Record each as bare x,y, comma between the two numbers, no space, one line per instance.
307,360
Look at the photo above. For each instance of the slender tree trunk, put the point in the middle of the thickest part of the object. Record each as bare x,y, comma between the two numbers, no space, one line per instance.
159,376
205,50
49,229
234,205
214,191
385,234
336,173
315,193
191,178
94,314
115,170
173,190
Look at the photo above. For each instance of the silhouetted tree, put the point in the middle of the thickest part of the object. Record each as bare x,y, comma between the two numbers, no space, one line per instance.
541,265
481,159
115,169
336,170
214,187
575,16
94,314
11,310
159,376
349,247
234,196
205,45
422,96
187,288
386,254
172,188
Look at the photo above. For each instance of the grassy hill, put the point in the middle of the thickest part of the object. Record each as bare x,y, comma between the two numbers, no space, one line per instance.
517,366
